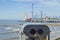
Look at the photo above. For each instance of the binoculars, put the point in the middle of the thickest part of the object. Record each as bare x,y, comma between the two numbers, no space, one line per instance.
33,31
36,31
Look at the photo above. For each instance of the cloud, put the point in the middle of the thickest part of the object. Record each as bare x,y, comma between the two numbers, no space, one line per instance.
49,2
43,2
24,0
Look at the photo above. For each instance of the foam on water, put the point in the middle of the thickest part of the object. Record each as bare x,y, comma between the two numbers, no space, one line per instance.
9,28
15,29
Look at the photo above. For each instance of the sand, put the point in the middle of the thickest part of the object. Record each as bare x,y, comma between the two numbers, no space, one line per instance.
16,38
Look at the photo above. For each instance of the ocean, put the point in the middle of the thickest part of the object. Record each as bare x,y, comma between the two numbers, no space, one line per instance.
9,30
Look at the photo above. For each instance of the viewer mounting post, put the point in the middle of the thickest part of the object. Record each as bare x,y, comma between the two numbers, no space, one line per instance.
41,15
32,11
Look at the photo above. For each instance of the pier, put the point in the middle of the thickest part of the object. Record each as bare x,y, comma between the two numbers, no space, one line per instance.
52,24
45,23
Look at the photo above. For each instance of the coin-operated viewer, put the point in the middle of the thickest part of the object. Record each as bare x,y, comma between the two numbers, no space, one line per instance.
34,31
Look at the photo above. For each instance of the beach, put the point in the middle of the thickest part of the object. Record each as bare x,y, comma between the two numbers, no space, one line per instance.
16,38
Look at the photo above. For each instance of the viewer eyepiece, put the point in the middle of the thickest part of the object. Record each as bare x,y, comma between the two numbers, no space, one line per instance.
40,31
32,31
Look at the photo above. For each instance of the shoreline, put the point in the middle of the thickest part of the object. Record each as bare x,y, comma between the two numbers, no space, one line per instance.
15,38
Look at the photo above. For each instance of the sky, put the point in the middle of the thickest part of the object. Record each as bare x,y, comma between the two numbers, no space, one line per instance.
16,9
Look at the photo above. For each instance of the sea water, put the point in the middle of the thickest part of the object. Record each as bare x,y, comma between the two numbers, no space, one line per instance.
8,29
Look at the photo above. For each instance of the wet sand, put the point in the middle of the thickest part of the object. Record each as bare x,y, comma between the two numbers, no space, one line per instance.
16,38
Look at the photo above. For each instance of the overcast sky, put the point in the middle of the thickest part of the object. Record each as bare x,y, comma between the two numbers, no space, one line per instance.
15,9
